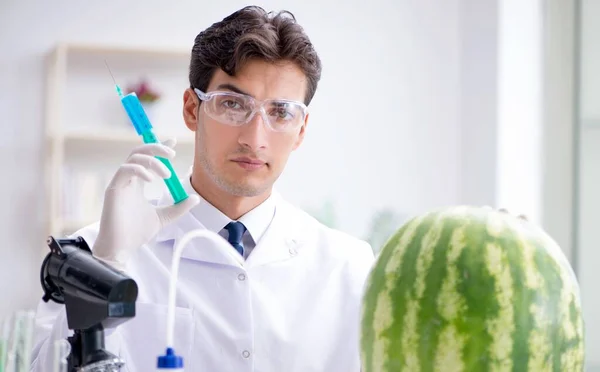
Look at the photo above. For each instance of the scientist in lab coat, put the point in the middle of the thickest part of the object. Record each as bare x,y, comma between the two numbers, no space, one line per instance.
285,296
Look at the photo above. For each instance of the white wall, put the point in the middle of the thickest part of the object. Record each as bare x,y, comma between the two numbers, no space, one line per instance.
392,86
559,123
478,103
588,186
590,56
519,107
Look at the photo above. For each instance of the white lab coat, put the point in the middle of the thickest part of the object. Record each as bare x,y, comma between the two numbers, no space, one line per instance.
292,306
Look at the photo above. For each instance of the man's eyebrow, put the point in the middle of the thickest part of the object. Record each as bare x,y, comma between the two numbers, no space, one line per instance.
232,88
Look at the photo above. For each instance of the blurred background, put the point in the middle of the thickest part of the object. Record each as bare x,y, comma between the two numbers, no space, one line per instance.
422,104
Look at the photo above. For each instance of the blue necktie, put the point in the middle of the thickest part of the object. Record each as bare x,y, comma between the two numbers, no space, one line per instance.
236,231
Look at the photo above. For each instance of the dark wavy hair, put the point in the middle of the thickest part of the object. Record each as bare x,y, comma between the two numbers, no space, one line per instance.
251,33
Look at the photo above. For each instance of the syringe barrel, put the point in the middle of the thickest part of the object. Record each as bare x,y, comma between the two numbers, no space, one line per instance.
143,127
175,187
136,113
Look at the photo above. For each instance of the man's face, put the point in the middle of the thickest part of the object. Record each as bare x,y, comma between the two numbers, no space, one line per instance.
246,160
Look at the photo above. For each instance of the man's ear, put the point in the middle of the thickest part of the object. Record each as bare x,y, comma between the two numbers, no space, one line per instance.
190,109
302,133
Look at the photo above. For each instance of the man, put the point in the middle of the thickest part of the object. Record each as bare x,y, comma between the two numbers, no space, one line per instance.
284,294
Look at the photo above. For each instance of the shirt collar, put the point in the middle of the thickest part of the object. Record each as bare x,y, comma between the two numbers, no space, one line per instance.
256,221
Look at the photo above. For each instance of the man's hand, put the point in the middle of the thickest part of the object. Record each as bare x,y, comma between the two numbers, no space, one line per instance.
128,219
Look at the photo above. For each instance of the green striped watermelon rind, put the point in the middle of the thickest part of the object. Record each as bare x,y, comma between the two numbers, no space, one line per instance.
465,308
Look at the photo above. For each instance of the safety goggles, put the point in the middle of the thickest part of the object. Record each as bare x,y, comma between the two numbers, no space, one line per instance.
238,109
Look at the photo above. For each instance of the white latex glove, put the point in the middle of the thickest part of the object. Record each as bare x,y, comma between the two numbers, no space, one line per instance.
128,219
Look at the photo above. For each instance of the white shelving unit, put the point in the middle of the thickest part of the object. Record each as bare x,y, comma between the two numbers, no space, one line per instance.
88,134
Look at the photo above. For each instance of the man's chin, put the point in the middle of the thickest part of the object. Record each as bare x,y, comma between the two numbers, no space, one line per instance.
246,189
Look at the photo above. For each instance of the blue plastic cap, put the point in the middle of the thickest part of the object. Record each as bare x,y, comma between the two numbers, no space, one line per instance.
170,360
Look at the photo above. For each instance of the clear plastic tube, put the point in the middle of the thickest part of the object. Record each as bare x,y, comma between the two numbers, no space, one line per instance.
171,360
27,320
16,344
13,345
11,362
4,344
62,348
181,244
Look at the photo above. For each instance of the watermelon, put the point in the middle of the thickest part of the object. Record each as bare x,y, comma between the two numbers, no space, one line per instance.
471,289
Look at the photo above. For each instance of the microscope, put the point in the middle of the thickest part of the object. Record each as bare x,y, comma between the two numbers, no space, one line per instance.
96,296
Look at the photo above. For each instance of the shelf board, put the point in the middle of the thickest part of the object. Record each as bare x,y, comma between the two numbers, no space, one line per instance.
118,137
78,67
106,49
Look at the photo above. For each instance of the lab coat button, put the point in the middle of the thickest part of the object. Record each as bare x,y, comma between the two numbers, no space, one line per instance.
242,277
246,354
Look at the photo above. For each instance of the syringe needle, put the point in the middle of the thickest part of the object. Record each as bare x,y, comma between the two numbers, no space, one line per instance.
113,77
110,72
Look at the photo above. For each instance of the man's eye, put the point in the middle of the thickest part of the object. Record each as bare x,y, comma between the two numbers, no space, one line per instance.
231,104
283,114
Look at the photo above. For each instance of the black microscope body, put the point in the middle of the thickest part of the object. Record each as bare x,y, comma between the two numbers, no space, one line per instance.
96,296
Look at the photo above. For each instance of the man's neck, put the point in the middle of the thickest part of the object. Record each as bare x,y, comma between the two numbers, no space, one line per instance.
232,206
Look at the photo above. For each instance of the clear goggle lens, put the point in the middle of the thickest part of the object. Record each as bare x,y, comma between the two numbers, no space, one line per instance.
237,109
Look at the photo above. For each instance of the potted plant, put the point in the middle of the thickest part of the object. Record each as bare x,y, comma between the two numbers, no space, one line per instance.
144,92
147,95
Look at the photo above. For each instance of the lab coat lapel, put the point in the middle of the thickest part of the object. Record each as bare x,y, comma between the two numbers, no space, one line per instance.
283,240
199,249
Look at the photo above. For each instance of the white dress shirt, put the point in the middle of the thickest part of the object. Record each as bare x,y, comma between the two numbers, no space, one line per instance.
257,220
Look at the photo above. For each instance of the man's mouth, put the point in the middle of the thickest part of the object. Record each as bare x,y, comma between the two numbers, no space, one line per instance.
249,163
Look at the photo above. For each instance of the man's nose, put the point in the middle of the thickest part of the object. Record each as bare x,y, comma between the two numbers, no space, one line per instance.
254,133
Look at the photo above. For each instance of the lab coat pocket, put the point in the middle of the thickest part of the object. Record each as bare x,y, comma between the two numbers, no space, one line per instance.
144,337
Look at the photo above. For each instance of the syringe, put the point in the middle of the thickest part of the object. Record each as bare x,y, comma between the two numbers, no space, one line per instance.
143,127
